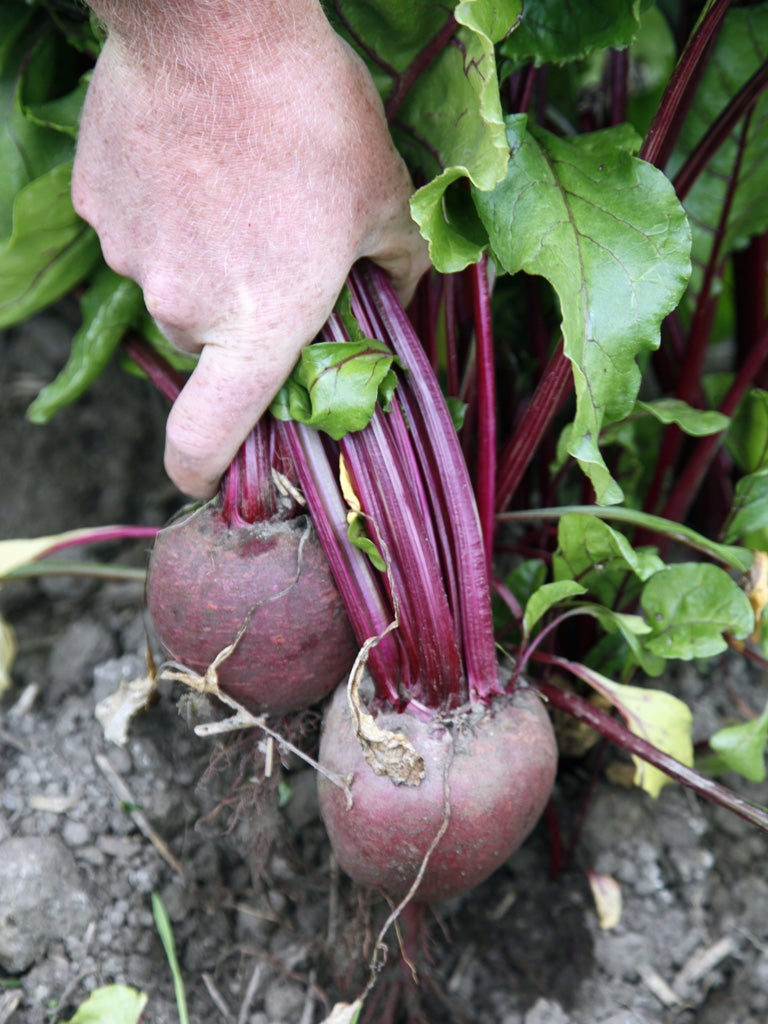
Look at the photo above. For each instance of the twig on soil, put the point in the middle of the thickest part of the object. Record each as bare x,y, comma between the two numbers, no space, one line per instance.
8,1003
125,796
308,1010
216,997
250,992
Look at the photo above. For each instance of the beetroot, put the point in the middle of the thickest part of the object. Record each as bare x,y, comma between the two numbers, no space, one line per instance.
208,578
500,764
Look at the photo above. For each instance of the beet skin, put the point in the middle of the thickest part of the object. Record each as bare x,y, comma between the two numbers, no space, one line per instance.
205,579
500,766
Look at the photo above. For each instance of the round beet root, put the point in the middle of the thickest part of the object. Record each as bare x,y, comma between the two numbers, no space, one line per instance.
499,764
205,580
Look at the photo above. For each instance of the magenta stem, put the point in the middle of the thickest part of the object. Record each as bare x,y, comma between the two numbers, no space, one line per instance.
618,733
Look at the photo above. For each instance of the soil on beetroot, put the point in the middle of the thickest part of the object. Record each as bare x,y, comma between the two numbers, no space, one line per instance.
268,932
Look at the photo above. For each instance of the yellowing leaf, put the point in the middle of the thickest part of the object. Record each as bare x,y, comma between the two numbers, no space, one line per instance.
756,589
7,653
655,716
606,892
112,1004
15,553
348,490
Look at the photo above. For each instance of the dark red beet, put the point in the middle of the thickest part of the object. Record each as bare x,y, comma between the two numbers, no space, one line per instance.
206,577
500,778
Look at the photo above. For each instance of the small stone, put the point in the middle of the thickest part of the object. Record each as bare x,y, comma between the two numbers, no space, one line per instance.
41,899
75,833
546,1011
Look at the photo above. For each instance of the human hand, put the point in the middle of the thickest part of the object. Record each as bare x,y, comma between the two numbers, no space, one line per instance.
236,173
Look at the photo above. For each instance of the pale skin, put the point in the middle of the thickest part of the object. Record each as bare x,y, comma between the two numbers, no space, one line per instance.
235,161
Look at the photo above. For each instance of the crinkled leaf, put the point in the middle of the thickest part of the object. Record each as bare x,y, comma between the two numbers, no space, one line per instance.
609,234
690,607
750,506
545,598
49,250
741,48
599,557
449,126
655,716
110,307
112,1004
335,386
695,422
551,31
741,748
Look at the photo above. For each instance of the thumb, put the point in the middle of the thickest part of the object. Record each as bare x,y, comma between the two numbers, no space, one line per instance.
226,394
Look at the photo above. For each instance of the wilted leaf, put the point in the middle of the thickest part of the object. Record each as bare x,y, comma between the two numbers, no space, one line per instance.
606,230
657,717
606,892
112,1004
116,712
690,607
741,748
7,653
15,553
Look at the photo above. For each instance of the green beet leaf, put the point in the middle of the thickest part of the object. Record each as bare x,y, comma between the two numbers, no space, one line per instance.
694,422
750,506
690,607
49,250
110,308
741,748
547,597
116,1004
335,386
608,233
599,557
550,31
741,49
631,629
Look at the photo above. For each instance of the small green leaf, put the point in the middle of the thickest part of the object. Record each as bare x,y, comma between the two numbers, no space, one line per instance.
545,598
741,748
335,386
112,1004
655,716
690,607
747,439
606,230
357,535
599,557
110,307
633,628
750,506
695,422
165,931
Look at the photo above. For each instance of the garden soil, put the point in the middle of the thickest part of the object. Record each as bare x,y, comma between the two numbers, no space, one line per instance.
267,930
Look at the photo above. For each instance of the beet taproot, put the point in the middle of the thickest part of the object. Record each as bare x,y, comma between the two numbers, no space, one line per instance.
207,579
499,762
